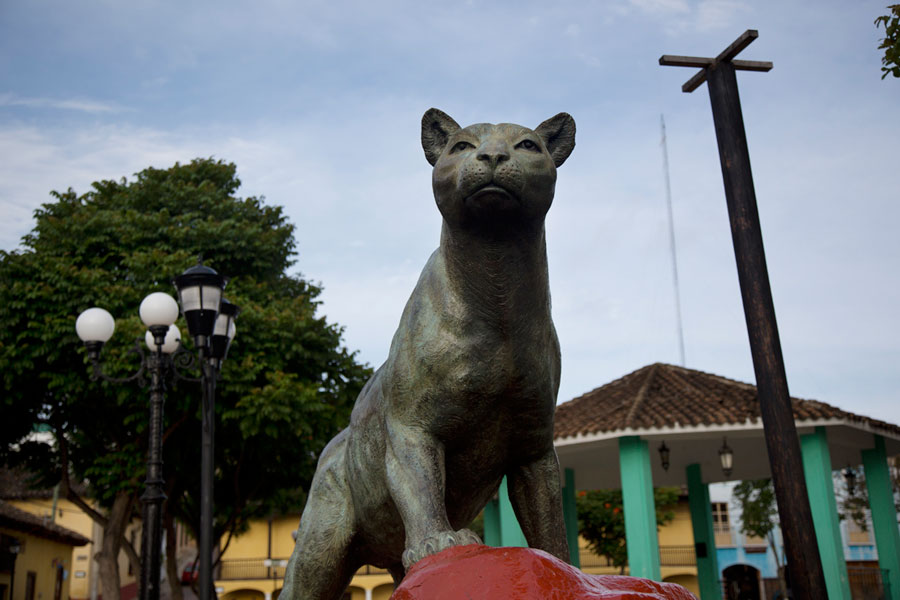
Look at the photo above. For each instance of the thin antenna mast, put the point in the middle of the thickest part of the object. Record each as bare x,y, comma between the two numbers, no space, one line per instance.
665,151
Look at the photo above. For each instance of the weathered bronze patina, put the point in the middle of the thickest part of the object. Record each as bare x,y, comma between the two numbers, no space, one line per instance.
468,391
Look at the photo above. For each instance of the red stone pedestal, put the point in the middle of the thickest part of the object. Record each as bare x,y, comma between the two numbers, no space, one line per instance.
485,573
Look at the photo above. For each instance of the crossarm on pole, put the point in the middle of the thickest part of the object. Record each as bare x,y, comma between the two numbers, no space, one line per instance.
744,40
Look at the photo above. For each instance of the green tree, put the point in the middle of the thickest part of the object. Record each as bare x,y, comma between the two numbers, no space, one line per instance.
853,503
287,387
601,520
890,43
759,517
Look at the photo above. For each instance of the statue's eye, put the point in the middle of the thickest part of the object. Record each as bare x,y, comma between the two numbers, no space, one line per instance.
527,145
460,146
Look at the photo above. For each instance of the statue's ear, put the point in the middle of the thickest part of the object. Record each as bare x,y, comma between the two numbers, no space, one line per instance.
558,134
437,127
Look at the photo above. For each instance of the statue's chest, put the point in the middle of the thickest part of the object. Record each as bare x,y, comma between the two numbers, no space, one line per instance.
488,360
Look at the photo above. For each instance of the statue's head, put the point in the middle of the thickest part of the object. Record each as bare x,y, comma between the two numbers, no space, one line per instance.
488,174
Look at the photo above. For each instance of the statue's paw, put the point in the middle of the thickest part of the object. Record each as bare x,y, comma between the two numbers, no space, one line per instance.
437,542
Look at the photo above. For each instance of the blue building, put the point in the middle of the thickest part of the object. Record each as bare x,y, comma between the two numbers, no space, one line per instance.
746,557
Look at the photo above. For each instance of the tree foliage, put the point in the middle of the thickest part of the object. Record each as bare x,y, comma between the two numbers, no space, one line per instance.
286,388
890,43
601,520
853,503
759,511
759,517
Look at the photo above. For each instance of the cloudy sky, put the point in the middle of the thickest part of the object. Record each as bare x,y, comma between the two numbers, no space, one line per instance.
319,105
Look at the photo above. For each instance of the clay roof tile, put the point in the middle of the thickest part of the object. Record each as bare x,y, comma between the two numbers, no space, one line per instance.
660,395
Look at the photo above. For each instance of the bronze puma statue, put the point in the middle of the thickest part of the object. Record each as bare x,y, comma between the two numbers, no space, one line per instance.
468,391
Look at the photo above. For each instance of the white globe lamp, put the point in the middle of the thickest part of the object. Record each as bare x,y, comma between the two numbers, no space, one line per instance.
170,345
159,308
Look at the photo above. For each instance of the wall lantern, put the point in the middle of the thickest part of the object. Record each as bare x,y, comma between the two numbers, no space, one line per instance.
664,456
726,456
850,478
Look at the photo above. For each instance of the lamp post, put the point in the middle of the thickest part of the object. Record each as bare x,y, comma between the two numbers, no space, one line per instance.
210,321
95,327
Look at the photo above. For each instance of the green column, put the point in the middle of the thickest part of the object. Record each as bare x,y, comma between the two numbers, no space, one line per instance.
570,515
492,523
501,528
884,515
640,510
704,537
820,486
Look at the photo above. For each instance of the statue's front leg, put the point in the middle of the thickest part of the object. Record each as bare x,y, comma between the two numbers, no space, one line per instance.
416,480
537,501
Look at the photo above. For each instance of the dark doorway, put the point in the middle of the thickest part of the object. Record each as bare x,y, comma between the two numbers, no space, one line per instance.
741,583
30,583
58,585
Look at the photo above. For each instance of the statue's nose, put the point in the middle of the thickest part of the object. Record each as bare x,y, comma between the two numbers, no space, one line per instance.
493,153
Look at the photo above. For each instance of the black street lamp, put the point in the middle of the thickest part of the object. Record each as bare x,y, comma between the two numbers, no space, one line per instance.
210,321
95,326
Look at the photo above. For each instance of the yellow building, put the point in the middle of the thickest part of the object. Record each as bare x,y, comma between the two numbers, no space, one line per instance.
678,563
252,566
35,556
83,579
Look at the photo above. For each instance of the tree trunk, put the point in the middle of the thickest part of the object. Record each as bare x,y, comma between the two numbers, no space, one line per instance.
114,525
113,533
782,583
171,558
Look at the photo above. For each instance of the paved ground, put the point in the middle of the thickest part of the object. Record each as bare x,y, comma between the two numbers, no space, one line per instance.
165,592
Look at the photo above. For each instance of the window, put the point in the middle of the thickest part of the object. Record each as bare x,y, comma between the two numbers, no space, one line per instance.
856,535
721,524
754,540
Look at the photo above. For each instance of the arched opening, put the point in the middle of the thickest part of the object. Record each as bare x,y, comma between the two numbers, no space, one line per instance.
244,594
686,580
741,582
354,593
383,591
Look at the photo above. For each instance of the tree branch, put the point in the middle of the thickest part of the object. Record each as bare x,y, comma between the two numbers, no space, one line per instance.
173,427
65,484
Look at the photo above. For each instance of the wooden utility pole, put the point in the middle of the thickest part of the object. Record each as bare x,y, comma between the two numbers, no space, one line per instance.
801,550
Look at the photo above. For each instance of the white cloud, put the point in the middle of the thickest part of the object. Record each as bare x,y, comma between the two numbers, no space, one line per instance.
73,104
661,7
712,15
678,17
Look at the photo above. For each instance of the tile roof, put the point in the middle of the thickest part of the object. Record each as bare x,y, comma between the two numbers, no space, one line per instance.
25,522
661,396
18,484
